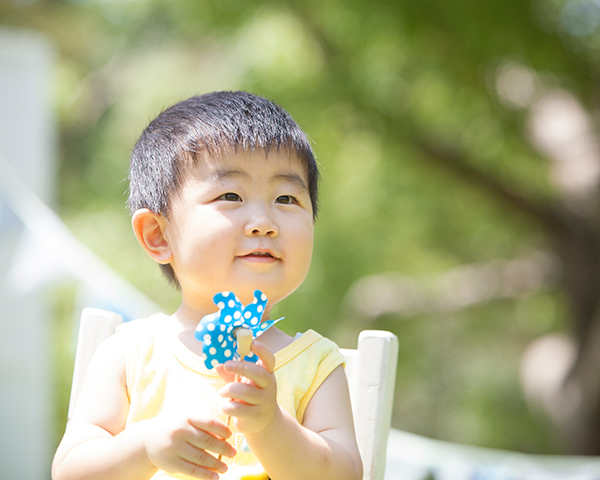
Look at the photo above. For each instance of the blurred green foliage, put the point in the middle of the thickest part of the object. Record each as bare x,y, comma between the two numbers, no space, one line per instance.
368,81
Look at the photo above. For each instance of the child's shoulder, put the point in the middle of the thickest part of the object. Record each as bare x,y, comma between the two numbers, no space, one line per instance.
314,338
312,347
277,340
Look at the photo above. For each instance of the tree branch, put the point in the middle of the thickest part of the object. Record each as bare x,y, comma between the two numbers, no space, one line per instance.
555,220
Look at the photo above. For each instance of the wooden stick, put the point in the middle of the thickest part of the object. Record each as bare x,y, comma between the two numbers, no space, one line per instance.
244,339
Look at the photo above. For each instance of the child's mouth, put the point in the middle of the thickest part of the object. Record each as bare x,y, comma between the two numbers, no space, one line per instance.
259,256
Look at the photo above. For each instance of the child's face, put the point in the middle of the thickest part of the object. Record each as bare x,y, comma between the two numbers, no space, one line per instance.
241,222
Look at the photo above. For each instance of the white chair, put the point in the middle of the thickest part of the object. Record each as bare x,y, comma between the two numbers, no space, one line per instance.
371,372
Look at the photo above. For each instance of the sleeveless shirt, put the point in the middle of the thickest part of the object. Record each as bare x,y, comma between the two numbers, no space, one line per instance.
163,375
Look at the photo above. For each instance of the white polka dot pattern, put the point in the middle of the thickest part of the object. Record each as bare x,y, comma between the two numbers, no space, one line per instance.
217,330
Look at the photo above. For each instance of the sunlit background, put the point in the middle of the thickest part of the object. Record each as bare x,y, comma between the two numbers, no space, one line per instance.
459,208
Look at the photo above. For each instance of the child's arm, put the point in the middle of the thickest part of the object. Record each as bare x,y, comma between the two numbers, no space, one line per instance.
323,447
97,445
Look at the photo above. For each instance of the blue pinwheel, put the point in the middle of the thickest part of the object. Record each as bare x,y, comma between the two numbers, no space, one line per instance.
216,331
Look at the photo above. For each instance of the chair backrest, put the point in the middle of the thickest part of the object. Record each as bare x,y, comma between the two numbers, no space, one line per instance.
95,326
371,372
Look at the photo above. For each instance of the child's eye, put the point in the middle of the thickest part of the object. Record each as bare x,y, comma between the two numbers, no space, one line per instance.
230,197
286,200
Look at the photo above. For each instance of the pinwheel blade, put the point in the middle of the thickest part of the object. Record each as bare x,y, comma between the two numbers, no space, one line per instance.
216,331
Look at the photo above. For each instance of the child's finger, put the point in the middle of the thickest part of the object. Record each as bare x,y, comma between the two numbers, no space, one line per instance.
212,425
203,461
228,377
248,372
267,359
238,409
204,441
241,392
193,470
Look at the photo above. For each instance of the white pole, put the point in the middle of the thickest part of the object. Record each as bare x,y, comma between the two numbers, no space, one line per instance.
27,137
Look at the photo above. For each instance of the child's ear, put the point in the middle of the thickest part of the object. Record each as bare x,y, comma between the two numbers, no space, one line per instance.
149,229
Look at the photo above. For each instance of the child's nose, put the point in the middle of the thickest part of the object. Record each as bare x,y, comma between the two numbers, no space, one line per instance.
261,223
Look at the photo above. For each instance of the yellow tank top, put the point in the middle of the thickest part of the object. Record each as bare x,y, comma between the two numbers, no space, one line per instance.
162,375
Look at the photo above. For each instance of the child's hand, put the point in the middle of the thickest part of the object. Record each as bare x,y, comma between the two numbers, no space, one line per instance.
253,400
180,443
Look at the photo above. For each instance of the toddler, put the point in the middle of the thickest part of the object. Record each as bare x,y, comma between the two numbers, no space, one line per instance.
223,194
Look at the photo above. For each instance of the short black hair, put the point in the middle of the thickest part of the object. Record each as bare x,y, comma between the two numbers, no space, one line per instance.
208,125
